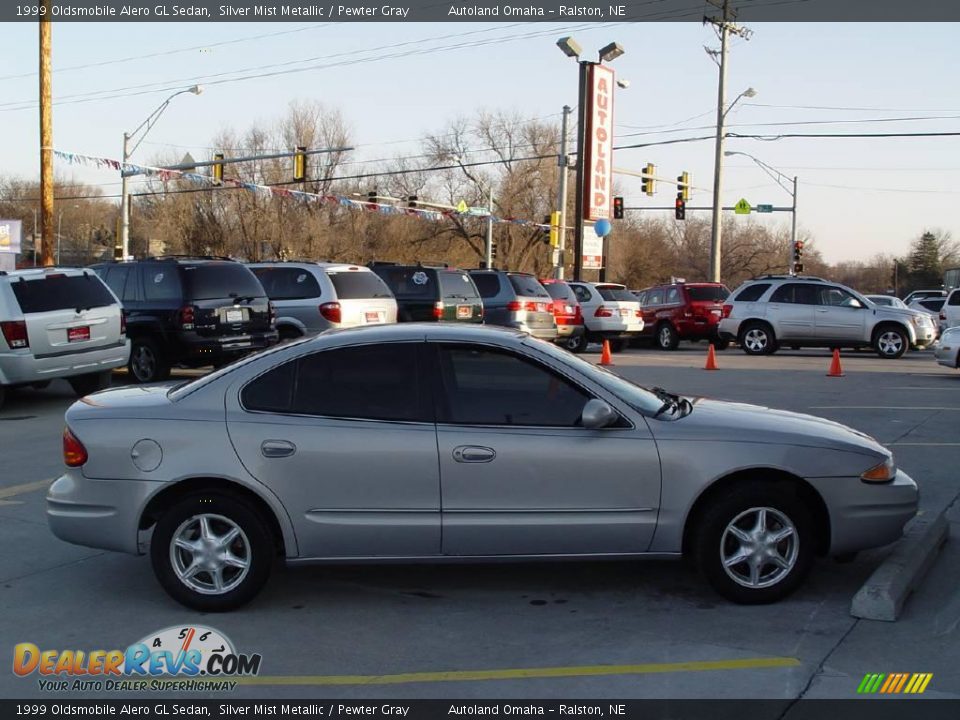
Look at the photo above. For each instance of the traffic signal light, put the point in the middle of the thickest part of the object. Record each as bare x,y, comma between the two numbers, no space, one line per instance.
300,164
683,185
647,182
555,227
411,201
372,197
618,208
681,208
218,169
797,268
797,257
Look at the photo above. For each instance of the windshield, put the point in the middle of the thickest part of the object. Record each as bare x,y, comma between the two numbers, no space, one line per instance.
527,286
637,397
560,291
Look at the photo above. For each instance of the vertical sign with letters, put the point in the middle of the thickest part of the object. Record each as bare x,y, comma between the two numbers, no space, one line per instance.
598,158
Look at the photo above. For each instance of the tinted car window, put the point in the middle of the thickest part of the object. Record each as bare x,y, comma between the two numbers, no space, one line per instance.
934,305
752,293
377,382
836,297
701,294
351,285
272,391
161,282
673,295
488,284
796,293
655,297
954,299
59,292
583,294
490,387
560,291
218,280
456,285
527,286
116,278
410,283
287,283
615,293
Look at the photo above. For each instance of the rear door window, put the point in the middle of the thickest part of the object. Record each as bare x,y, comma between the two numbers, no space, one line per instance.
287,283
583,293
161,283
356,284
457,285
61,292
796,294
655,297
527,286
488,284
616,294
116,278
208,281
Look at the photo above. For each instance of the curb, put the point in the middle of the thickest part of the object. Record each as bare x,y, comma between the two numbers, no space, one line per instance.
883,595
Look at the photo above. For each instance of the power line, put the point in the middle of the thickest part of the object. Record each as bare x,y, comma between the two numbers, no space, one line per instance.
842,108
786,136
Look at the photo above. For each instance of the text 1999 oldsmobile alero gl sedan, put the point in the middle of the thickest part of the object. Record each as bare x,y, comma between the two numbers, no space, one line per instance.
452,443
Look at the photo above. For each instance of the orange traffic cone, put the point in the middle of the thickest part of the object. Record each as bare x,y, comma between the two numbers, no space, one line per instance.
605,355
835,369
711,359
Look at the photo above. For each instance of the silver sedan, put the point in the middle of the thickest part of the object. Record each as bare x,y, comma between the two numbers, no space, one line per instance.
448,443
947,352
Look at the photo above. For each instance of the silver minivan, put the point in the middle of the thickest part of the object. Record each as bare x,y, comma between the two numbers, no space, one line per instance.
312,297
516,300
59,323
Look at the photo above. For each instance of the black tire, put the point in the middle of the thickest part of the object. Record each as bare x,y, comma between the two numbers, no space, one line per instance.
667,337
712,540
148,363
576,343
254,544
720,344
617,346
757,338
890,341
90,383
41,385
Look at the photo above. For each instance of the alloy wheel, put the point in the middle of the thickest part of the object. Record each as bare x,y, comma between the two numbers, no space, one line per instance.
144,363
890,343
759,547
210,554
756,339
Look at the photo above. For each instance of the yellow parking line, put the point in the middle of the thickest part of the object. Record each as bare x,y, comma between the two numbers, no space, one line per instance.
523,673
14,490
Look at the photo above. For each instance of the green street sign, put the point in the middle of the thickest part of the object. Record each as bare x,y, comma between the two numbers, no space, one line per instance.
742,207
764,208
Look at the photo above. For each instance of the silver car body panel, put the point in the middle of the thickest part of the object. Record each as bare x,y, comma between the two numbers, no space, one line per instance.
396,491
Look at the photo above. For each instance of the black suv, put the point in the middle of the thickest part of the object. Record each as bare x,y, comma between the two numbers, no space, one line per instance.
428,293
189,311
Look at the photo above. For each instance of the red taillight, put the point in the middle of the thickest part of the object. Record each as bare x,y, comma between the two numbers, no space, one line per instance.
943,315
603,311
15,333
123,322
514,306
74,453
727,309
187,316
638,313
438,310
331,311
579,316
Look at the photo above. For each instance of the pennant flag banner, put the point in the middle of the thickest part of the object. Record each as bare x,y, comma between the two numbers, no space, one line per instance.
165,175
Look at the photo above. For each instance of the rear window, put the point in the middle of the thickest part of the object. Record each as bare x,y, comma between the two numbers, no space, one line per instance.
287,283
220,280
527,286
354,284
932,304
618,294
77,292
487,283
560,291
410,283
457,285
710,293
954,298
752,293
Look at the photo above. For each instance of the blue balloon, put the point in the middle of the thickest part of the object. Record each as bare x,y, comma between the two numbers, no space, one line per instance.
602,228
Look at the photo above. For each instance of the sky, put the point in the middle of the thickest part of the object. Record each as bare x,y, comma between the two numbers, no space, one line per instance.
856,197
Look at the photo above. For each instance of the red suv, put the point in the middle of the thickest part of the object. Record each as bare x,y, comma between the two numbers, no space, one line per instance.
571,332
682,311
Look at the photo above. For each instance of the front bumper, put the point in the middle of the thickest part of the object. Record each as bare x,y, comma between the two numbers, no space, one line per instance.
867,515
98,513
19,367
926,335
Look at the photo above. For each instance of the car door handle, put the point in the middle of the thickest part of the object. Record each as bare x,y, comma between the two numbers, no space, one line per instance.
822,311
473,454
277,448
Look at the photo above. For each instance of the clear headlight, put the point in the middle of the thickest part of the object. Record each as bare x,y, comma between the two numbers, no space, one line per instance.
884,472
921,320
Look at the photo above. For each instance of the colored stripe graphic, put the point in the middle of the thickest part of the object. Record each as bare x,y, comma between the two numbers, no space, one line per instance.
894,683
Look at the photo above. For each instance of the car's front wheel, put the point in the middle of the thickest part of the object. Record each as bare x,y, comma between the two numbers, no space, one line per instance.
757,338
755,543
890,342
212,552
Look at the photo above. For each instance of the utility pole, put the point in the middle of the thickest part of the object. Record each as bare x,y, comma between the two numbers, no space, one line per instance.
46,137
793,220
562,197
724,26
488,250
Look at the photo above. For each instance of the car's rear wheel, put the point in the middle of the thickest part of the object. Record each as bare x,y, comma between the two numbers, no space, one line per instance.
147,361
667,337
720,344
757,338
890,342
212,552
576,343
90,383
755,543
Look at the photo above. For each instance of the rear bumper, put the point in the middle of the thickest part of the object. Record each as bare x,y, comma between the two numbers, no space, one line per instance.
20,367
693,330
98,513
865,515
569,331
198,347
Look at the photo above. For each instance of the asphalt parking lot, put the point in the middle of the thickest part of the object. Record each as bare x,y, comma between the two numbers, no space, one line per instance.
616,630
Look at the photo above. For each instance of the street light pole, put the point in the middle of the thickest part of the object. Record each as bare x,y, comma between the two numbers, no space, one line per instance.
127,152
488,254
558,269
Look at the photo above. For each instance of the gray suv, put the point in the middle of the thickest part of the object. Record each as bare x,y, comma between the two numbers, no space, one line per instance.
59,323
516,300
772,310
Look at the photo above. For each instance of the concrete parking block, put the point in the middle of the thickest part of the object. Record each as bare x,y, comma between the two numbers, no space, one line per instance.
882,597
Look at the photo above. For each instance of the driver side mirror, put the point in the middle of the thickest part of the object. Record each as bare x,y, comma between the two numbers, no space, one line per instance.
597,414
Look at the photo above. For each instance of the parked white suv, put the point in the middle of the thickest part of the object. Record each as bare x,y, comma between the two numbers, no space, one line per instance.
806,311
59,323
610,312
950,312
